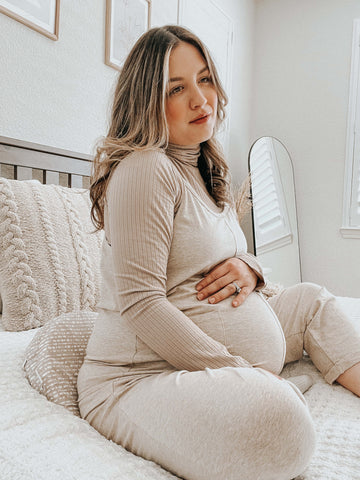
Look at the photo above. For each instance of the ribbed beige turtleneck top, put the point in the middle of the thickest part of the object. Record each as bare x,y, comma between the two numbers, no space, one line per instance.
164,233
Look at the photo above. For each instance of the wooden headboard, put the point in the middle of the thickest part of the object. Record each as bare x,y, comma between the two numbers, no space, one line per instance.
22,160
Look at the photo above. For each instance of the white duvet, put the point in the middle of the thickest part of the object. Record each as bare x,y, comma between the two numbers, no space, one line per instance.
43,441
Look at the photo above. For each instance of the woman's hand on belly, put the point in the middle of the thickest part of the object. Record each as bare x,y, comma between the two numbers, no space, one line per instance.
218,283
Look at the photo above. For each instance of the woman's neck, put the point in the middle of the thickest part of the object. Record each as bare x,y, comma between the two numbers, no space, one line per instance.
187,154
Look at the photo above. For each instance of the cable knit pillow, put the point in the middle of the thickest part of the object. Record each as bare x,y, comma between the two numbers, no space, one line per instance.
49,257
55,355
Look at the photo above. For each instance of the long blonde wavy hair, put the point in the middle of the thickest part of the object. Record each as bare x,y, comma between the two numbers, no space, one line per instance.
138,119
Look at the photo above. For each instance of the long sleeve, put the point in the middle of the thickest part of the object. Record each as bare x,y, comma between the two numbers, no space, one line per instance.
141,198
253,263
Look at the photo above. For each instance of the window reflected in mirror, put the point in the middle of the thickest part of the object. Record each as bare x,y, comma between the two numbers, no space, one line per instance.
274,216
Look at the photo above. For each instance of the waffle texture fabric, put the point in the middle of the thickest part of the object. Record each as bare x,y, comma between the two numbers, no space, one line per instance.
55,354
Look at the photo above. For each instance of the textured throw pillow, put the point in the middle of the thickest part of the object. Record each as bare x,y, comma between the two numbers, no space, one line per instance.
55,355
49,255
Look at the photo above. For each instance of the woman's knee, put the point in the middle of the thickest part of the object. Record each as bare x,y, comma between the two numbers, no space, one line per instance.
277,438
310,288
304,290
309,298
263,430
281,432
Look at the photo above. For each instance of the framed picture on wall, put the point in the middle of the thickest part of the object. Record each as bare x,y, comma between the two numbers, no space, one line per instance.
40,15
126,21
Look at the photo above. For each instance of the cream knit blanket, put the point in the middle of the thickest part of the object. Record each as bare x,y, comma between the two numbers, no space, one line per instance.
40,440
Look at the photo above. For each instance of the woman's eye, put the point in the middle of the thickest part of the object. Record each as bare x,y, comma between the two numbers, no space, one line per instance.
175,90
206,79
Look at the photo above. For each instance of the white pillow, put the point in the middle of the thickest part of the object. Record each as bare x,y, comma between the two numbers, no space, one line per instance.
49,255
55,355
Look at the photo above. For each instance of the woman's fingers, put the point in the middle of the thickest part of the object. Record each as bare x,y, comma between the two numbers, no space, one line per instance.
215,274
215,286
220,295
228,291
241,297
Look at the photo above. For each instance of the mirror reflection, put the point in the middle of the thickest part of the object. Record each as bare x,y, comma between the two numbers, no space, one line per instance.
274,216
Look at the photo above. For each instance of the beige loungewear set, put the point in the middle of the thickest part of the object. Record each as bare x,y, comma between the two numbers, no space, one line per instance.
183,382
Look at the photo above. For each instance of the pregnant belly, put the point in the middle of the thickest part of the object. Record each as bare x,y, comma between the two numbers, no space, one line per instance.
251,330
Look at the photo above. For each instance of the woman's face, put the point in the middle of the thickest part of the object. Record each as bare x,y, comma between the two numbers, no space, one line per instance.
191,103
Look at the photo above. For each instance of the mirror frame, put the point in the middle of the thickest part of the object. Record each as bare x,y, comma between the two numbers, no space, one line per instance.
295,199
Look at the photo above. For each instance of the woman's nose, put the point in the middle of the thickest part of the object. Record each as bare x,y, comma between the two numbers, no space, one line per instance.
197,98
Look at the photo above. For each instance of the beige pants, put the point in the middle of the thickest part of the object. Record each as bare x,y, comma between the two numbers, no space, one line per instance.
232,423
312,320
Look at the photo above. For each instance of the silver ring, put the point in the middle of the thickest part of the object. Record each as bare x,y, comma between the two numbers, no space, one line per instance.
238,289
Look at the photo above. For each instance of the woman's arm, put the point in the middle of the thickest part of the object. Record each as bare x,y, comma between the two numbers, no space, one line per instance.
255,266
141,197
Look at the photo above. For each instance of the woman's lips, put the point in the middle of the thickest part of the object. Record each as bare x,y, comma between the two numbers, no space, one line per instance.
204,118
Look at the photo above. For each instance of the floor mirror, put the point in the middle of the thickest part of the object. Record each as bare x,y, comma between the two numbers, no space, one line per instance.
274,215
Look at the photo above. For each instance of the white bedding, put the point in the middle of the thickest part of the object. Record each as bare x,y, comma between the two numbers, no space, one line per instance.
43,441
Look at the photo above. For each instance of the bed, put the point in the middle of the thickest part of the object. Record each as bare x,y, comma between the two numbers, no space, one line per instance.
45,439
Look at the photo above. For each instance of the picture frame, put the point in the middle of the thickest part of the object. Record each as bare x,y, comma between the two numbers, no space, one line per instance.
41,16
126,21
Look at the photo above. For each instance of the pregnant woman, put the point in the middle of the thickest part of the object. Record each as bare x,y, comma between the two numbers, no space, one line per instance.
179,370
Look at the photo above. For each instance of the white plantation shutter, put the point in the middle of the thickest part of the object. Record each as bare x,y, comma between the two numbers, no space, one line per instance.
355,187
355,195
351,210
271,220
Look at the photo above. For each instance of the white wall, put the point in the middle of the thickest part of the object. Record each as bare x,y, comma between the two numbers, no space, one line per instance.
240,97
302,58
242,13
54,92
